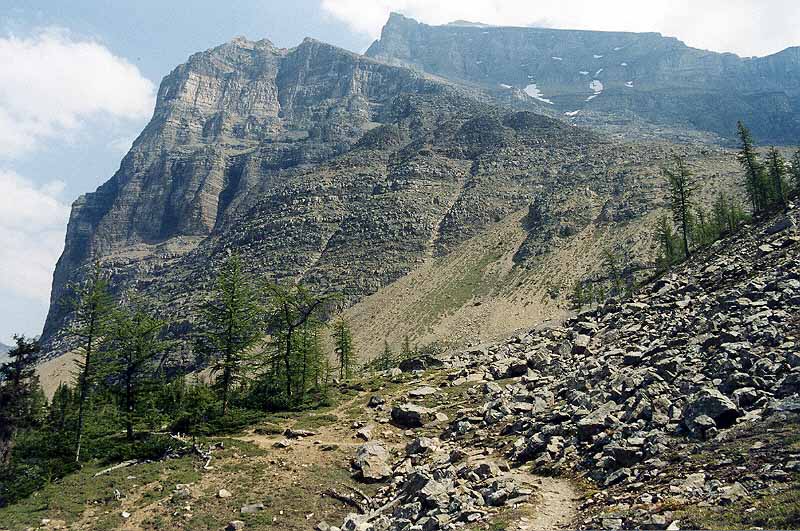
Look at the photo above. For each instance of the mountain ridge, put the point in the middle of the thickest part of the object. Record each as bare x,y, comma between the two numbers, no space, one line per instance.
659,79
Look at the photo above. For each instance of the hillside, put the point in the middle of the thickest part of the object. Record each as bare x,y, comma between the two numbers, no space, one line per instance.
345,173
632,84
674,409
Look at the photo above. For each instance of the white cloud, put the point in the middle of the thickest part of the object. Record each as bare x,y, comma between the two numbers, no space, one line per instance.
51,84
32,226
746,27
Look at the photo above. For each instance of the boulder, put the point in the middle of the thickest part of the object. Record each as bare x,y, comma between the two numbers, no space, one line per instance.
371,460
421,446
709,403
412,415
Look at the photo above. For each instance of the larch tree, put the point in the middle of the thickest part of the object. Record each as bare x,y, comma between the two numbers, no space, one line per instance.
292,309
345,354
92,310
776,167
796,171
681,192
231,324
133,351
753,171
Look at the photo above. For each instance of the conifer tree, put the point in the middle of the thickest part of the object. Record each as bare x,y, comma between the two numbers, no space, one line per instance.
291,309
753,170
385,360
407,351
796,172
681,189
18,384
667,242
92,308
777,173
344,348
232,323
134,346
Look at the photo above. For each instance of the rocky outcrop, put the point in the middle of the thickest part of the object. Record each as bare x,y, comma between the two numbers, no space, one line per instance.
683,396
648,83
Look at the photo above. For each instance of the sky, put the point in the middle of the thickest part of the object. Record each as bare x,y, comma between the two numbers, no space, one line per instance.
78,81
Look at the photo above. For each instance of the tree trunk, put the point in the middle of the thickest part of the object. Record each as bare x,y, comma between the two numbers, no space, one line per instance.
84,387
288,364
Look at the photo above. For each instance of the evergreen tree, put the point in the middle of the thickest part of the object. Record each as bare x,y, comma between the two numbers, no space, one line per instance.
291,311
681,189
344,348
796,171
407,351
777,174
668,243
385,360
92,308
134,346
753,171
18,385
231,325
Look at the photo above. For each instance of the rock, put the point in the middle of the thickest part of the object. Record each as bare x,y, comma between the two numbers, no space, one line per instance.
710,403
365,433
223,493
487,470
375,401
252,508
412,416
421,446
126,514
283,443
422,392
235,525
297,434
581,344
790,385
596,421
371,460
419,363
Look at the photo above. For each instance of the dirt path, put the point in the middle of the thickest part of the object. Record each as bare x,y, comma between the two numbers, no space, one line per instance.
558,507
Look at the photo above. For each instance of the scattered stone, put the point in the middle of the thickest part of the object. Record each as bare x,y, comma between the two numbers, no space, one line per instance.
411,415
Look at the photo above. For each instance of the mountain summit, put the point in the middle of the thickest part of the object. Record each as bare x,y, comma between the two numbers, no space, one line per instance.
645,81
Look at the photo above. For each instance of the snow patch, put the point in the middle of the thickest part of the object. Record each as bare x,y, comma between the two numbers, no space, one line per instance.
554,58
533,91
598,72
584,73
571,113
629,84
618,48
623,64
593,96
505,86
598,56
478,62
596,86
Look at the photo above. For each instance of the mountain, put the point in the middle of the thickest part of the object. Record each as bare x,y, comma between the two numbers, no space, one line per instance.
676,408
643,83
347,173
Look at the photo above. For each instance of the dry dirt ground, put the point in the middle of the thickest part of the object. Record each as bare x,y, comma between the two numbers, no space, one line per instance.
292,483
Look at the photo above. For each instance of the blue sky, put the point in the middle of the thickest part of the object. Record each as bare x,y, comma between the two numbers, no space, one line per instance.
78,81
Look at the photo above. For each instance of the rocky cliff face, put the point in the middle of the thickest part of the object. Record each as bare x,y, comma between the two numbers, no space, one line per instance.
320,165
649,83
